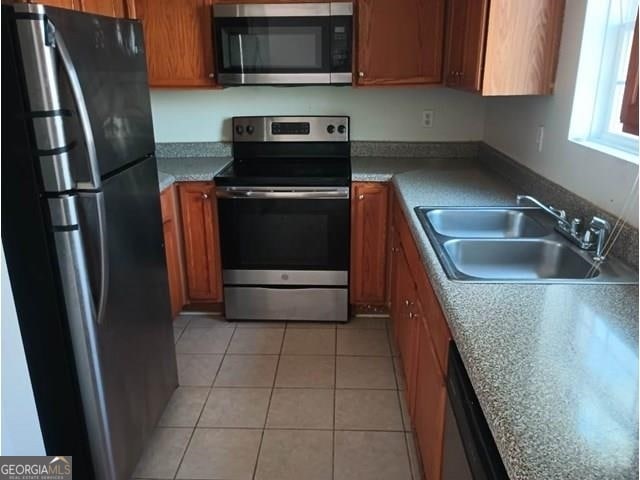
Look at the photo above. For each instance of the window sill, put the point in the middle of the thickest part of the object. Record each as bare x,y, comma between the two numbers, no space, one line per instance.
614,152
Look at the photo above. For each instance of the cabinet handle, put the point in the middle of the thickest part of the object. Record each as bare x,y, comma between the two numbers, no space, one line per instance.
205,196
361,196
361,74
411,315
212,75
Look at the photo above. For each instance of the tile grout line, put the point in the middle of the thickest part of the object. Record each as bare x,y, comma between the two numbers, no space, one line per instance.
266,415
297,429
203,406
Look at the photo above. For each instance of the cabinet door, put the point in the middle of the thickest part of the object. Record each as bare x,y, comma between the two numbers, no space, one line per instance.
394,283
201,243
173,249
409,348
369,218
405,304
399,42
178,40
466,35
430,401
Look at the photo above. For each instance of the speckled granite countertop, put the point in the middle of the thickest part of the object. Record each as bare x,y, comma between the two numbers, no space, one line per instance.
382,169
555,367
189,169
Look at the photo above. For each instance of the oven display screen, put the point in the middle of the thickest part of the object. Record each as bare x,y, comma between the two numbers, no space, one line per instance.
290,128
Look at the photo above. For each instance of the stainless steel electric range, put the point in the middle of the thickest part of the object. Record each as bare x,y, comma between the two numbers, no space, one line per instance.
283,207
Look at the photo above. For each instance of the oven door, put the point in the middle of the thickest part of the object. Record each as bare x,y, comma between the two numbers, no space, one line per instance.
288,236
282,44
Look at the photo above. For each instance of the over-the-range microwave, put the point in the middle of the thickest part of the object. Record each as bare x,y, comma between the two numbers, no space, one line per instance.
284,44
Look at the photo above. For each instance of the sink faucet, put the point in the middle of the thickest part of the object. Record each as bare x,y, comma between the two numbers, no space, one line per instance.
593,237
559,215
599,228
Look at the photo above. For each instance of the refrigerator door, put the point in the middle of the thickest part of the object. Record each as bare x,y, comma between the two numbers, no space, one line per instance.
105,59
134,337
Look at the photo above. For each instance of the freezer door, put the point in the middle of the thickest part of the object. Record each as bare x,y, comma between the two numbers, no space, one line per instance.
87,86
135,334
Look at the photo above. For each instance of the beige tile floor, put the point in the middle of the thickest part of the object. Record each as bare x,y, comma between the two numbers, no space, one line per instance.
284,401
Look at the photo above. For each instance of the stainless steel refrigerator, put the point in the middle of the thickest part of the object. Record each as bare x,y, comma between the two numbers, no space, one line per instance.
82,233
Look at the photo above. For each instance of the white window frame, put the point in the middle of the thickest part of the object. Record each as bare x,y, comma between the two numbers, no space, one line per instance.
601,52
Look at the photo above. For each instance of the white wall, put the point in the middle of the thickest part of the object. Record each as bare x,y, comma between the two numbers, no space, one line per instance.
391,114
511,126
19,423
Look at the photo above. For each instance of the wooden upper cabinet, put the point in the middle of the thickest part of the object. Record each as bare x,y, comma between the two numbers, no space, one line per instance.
272,1
503,47
369,218
179,42
399,42
201,241
629,113
464,59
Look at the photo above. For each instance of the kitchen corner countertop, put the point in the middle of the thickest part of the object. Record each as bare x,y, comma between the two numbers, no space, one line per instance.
555,367
382,169
189,169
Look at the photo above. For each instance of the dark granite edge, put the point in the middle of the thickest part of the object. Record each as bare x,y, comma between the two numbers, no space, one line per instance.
625,247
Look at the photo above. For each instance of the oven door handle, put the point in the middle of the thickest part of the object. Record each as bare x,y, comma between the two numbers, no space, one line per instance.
292,193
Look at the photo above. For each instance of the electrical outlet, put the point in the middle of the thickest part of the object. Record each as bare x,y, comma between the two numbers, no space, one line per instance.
540,137
427,118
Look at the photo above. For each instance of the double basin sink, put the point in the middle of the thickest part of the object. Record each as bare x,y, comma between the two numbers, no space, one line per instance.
512,244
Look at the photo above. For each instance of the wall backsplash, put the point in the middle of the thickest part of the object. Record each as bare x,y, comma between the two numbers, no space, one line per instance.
390,114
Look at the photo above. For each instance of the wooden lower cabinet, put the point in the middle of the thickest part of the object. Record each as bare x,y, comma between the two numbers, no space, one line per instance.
201,242
430,400
422,336
171,227
405,324
369,224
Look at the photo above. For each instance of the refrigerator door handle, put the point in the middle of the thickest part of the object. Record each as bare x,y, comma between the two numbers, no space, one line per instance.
103,246
94,182
81,314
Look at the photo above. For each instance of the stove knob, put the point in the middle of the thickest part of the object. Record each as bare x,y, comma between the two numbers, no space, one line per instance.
239,129
342,129
331,129
250,129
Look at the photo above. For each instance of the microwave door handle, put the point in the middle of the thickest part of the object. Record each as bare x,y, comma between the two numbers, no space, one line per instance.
94,182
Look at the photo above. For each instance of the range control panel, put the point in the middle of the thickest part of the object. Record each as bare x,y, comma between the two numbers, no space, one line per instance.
290,129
